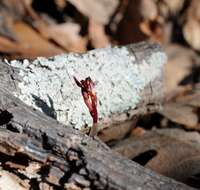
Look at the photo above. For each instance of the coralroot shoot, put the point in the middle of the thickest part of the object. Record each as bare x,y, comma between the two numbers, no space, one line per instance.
90,99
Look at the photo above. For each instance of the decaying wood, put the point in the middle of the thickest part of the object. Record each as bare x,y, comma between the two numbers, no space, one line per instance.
128,82
47,155
44,154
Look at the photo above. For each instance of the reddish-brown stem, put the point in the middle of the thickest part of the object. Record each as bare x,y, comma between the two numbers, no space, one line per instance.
90,99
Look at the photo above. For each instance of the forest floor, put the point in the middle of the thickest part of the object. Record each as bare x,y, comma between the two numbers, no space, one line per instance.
170,139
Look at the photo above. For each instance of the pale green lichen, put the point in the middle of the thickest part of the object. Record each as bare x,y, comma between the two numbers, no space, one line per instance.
119,82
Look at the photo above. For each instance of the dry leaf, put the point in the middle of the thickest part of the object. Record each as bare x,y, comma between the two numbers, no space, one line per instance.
191,29
45,186
181,113
100,11
174,5
193,11
10,11
183,109
148,9
171,152
19,39
9,181
16,10
13,8
179,65
5,27
97,35
31,44
8,46
67,36
191,33
71,186
153,30
117,131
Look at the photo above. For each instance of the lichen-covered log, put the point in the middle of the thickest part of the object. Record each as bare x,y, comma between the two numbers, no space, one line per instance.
128,82
36,152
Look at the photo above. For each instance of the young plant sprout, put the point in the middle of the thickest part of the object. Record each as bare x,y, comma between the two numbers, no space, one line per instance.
90,99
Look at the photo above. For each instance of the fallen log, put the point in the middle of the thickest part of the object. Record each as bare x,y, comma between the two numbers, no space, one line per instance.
128,82
43,153
38,152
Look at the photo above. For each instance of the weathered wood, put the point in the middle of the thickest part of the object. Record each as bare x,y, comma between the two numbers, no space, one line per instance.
42,153
65,157
129,82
